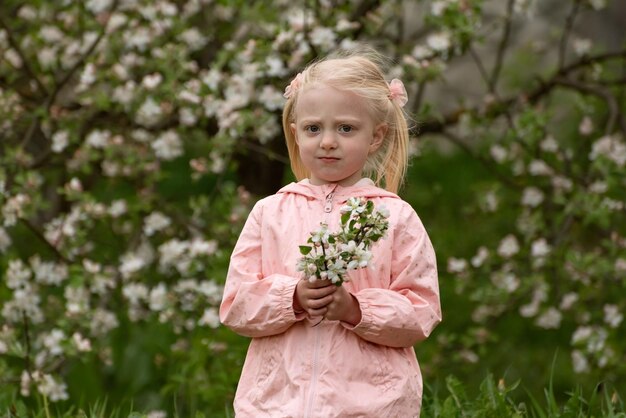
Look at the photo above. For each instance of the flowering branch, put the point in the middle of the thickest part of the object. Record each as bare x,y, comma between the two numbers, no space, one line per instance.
331,255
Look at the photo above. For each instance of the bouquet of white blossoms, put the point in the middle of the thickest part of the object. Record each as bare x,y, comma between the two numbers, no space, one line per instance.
330,256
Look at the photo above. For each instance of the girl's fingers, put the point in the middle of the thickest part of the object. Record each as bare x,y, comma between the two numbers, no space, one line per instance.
317,284
320,302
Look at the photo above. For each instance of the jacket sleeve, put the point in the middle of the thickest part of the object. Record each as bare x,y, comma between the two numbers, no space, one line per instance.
409,310
254,305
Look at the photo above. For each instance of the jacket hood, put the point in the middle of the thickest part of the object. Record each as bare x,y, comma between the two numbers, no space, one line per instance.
363,188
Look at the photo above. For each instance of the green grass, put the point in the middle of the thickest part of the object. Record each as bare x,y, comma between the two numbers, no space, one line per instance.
446,399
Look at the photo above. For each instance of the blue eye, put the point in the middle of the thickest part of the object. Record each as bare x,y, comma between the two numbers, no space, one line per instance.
345,129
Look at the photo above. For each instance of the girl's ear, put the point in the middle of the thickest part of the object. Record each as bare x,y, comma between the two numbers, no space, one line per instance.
292,126
380,131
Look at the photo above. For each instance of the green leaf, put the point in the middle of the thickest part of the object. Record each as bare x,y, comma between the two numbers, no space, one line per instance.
305,249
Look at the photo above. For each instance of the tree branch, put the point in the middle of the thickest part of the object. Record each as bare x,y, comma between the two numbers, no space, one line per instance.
43,239
569,24
615,114
14,44
500,107
504,41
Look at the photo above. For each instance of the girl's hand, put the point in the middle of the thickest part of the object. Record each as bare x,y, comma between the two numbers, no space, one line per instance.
313,297
343,307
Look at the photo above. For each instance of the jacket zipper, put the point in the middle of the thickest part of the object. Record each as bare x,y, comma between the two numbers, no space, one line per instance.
328,208
329,202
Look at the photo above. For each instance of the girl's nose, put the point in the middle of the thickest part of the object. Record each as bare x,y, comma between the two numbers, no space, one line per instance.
328,141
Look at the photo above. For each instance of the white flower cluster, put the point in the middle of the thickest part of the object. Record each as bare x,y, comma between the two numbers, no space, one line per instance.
331,255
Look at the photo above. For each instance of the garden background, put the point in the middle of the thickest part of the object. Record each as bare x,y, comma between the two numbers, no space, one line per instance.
135,135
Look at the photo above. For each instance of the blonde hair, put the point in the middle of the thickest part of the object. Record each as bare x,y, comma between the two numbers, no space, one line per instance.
359,72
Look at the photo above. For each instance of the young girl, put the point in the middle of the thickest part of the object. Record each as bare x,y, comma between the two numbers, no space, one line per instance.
317,349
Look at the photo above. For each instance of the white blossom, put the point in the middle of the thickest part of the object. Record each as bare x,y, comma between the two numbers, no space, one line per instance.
25,382
271,98
158,298
457,265
98,138
540,248
498,153
598,4
598,187
539,168
439,42
47,272
193,38
198,246
480,257
27,12
532,197
438,7
611,148
168,145
151,81
124,95
172,251
117,208
580,363
81,343
131,263
187,116
568,300
155,222
550,319
52,341
562,183
212,78
612,315
17,274
506,281
14,208
549,144
60,140
13,58
508,246
98,6
210,318
76,300
135,292
25,302
54,390
582,333
420,52
47,56
323,37
149,113
88,76
103,321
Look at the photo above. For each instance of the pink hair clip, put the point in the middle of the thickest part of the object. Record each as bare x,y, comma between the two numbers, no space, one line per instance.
293,87
397,92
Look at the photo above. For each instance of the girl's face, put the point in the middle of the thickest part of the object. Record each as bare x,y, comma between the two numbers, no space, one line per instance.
335,134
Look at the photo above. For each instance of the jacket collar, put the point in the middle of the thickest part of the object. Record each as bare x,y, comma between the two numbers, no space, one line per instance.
363,188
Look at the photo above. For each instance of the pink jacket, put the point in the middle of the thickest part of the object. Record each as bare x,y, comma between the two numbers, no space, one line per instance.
331,370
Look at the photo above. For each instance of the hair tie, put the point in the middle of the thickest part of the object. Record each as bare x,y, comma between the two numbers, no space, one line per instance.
397,92
293,87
